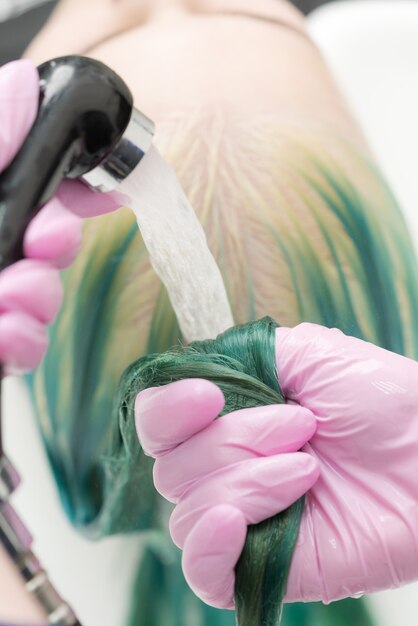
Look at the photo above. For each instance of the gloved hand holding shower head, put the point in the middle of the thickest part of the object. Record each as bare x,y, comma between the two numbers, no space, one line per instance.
30,290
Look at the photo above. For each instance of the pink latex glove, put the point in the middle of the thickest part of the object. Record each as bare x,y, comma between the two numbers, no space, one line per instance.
355,412
30,290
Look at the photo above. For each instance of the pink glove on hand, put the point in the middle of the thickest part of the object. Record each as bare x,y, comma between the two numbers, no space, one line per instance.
30,290
354,411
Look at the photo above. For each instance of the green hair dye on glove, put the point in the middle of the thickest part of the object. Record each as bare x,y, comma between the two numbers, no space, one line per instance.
241,362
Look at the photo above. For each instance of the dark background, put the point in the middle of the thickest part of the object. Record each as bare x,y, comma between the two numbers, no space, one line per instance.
15,34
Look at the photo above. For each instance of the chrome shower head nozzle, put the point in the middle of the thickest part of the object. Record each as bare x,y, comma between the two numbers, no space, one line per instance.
125,156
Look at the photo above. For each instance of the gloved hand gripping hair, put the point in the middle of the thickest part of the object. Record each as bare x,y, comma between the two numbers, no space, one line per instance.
236,362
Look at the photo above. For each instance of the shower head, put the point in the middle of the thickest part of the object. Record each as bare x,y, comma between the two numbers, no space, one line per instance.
86,128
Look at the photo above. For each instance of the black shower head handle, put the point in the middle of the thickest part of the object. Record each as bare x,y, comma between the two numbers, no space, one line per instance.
84,109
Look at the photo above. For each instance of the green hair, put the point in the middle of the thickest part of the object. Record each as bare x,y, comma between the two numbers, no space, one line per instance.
241,362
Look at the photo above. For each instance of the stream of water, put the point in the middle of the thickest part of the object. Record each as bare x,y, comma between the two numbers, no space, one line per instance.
178,248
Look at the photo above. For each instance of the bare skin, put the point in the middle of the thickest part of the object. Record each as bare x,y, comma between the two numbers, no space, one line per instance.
177,56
